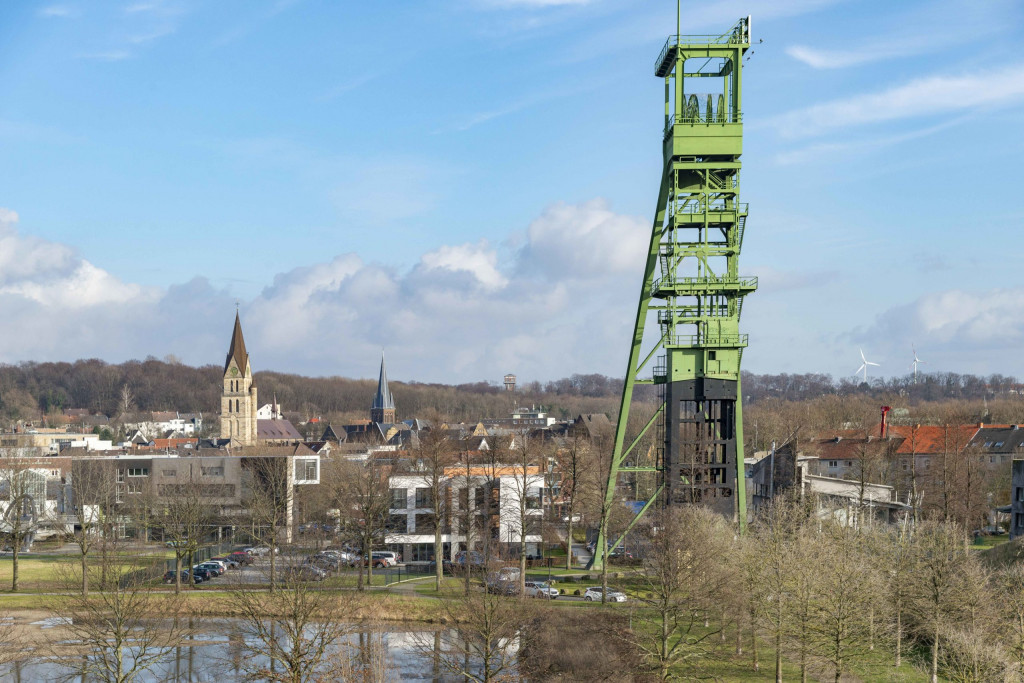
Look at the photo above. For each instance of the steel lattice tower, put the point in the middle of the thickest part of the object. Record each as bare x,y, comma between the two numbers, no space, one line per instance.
692,292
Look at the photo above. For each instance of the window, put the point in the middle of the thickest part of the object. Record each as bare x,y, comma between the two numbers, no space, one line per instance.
138,471
991,458
999,444
425,523
169,473
306,470
464,498
422,552
398,524
399,499
533,499
120,476
212,471
833,463
1018,494
423,498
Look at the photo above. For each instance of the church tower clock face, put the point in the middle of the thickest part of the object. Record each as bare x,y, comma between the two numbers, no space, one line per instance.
234,372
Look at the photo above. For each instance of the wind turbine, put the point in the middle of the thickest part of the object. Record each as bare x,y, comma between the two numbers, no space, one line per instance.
864,366
915,363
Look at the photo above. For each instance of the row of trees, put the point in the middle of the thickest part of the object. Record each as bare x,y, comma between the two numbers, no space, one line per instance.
826,598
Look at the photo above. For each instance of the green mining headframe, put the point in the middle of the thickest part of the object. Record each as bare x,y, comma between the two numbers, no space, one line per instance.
692,294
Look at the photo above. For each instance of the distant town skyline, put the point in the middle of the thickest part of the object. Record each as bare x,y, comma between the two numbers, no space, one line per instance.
468,184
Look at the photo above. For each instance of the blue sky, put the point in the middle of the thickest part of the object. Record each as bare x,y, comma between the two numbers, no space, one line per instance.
469,183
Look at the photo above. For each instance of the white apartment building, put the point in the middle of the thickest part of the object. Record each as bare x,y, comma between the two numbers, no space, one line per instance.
492,496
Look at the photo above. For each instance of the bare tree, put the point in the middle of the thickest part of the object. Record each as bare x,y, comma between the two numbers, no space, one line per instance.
898,559
268,499
125,401
938,596
571,462
769,560
292,634
803,590
364,499
186,520
468,513
524,469
434,457
682,577
93,509
23,499
480,643
1009,581
841,624
116,627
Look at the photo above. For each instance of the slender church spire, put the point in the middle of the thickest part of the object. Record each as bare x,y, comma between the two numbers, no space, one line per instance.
239,399
237,349
383,409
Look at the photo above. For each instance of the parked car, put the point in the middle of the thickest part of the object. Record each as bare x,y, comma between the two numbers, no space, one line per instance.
215,568
594,594
380,560
387,554
231,562
241,556
540,589
326,562
169,577
305,573
342,556
260,551
472,559
201,574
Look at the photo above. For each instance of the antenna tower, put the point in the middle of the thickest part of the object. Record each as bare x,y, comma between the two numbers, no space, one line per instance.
686,339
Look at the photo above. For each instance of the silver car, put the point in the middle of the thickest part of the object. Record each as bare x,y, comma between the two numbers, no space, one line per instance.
594,594
540,589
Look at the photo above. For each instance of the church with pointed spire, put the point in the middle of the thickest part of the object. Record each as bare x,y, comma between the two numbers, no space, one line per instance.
383,408
238,401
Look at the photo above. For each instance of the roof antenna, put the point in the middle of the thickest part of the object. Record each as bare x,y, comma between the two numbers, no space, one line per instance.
678,24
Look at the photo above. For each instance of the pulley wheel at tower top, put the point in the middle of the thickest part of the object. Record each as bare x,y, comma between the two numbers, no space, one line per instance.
692,109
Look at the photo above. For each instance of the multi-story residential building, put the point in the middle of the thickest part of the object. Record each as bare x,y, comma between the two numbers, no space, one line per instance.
488,496
223,480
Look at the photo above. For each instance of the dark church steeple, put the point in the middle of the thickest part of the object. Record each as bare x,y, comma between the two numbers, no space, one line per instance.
383,409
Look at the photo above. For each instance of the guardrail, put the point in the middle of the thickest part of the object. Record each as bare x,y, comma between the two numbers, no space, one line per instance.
735,35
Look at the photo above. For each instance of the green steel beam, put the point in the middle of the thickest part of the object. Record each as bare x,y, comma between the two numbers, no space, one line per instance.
692,281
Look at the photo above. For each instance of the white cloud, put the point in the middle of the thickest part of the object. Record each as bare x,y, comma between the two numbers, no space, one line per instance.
53,275
964,331
585,241
562,302
926,96
478,259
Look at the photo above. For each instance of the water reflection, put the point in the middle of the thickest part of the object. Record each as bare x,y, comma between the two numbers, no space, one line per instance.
217,651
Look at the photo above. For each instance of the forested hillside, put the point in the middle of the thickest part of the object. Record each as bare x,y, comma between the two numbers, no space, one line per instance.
30,389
